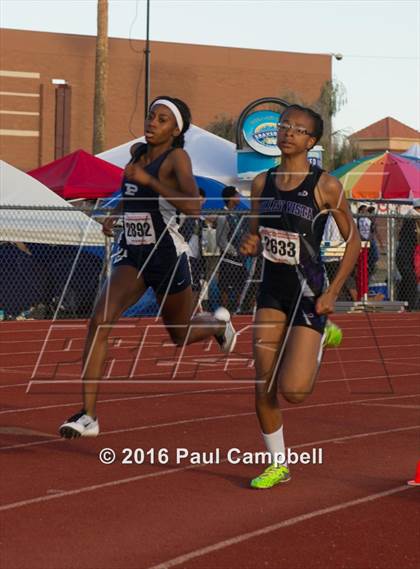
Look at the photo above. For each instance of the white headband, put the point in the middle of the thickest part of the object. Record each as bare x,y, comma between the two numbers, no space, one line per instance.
173,108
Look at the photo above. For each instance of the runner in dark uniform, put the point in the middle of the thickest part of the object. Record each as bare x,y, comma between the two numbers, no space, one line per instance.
151,241
158,184
291,229
290,205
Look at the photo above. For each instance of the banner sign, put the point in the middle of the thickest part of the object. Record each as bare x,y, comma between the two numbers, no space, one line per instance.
259,130
251,163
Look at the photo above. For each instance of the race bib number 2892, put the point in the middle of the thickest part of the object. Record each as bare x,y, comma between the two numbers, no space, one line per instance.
280,246
139,229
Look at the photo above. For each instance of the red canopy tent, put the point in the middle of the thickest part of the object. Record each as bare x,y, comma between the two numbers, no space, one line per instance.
80,175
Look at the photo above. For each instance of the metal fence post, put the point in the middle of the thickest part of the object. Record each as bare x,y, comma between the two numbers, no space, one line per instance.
390,237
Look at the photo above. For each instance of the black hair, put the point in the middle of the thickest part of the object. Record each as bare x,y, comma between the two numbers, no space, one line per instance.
361,208
371,209
183,108
318,129
202,192
228,193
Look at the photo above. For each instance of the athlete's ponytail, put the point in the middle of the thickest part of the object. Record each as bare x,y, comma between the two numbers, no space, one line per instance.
183,108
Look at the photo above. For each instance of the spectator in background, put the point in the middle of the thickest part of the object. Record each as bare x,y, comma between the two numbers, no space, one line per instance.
210,247
373,256
332,262
191,229
211,253
364,224
407,254
23,292
229,231
416,211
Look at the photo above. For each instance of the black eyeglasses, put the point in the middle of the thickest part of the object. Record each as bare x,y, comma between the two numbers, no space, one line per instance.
286,127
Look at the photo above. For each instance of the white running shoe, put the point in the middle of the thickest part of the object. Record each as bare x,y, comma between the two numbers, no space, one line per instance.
79,425
227,341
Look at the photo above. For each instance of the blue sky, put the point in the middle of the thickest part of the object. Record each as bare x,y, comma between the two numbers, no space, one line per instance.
379,40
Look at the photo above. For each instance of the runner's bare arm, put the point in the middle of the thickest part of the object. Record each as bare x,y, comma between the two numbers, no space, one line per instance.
334,200
251,242
111,218
185,198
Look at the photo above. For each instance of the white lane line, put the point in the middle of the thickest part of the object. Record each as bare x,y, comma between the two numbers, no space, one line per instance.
140,428
212,359
390,405
128,344
251,380
206,366
194,392
389,376
393,377
123,381
209,370
121,481
152,345
16,431
117,379
139,327
274,527
119,399
172,424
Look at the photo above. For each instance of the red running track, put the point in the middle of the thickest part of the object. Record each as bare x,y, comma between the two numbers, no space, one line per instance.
62,508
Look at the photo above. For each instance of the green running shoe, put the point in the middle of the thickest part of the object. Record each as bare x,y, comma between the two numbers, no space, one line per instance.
271,476
333,336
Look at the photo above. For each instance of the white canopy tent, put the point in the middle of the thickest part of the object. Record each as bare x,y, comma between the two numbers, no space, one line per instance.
414,150
211,156
48,226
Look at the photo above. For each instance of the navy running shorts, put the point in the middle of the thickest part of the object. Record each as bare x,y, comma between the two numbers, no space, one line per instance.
280,289
305,313
160,268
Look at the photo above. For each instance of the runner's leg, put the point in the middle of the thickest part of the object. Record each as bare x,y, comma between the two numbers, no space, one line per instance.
122,291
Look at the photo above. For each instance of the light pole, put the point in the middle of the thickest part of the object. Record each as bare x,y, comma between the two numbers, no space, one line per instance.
337,56
147,62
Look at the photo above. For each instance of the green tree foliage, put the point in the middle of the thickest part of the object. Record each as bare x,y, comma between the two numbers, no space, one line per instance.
331,99
344,150
224,126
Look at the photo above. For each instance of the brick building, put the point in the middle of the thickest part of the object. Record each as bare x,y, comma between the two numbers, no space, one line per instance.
41,120
386,134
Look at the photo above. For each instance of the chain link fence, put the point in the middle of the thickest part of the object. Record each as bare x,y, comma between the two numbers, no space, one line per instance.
51,263
392,259
54,262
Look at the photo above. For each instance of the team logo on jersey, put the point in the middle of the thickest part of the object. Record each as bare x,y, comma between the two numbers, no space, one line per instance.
303,193
130,189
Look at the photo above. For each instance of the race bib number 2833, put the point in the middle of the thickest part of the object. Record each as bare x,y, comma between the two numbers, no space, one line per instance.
280,246
139,229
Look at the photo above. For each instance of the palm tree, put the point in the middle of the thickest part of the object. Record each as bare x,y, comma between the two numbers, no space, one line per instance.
101,77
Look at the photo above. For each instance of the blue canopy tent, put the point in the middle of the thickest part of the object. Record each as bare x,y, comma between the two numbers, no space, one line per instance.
212,188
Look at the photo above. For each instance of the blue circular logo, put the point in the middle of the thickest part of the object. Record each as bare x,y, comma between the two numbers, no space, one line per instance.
260,132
